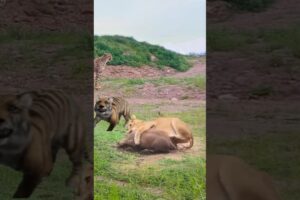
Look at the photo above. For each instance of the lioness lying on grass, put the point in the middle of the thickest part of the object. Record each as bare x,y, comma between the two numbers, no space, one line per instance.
229,178
152,141
171,127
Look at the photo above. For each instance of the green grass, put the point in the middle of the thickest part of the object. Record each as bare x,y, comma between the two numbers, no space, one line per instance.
128,51
52,187
130,85
45,49
224,39
274,153
120,178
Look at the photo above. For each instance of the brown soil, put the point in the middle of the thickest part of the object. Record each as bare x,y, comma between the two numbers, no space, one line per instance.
149,92
47,14
281,13
242,73
121,71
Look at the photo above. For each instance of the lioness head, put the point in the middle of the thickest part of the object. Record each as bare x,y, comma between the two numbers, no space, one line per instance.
14,122
132,124
103,107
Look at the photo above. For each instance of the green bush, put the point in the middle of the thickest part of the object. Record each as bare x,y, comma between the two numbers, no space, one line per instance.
251,5
128,51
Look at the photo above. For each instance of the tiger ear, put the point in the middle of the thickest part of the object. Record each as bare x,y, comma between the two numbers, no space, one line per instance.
110,99
25,100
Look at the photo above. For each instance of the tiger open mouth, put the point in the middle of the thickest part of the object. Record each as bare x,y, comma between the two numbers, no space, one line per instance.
101,110
5,132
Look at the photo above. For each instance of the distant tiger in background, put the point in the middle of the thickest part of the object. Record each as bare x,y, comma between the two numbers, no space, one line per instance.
99,66
111,109
33,127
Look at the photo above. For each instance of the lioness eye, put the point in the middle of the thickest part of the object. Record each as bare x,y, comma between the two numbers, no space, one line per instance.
13,109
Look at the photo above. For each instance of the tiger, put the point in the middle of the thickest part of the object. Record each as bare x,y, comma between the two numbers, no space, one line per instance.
34,125
111,109
99,66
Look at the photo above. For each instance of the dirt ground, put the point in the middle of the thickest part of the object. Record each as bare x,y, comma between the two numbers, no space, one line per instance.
151,93
238,73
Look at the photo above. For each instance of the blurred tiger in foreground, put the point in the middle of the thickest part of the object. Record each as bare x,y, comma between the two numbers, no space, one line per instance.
111,109
33,127
99,66
231,178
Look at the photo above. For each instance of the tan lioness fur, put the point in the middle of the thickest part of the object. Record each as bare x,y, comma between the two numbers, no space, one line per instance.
174,128
229,178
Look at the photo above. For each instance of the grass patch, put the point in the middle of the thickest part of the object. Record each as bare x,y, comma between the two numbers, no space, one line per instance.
262,90
26,48
131,85
227,40
273,153
52,187
251,5
165,179
272,39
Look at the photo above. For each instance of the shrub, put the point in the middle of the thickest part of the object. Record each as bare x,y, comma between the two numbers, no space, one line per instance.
251,5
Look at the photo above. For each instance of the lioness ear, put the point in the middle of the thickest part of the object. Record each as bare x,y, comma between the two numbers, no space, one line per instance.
133,117
25,100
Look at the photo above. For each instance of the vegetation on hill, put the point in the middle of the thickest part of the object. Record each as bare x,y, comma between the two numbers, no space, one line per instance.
128,51
251,5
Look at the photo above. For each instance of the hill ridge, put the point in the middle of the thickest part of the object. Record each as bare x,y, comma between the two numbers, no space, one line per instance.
128,51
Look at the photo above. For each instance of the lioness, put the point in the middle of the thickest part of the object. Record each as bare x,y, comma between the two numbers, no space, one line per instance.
152,141
173,128
229,178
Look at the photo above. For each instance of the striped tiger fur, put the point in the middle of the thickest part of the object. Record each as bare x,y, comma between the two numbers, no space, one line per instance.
111,109
33,127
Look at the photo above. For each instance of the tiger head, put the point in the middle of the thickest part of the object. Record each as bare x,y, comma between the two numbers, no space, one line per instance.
107,57
103,107
14,122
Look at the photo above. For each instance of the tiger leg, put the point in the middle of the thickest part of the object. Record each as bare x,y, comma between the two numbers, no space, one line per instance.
74,146
113,121
96,120
76,157
127,118
27,185
111,126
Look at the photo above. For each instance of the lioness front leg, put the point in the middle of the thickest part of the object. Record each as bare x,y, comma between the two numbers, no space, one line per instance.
138,133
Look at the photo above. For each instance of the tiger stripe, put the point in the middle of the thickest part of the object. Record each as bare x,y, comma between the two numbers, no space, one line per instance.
42,122
111,109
